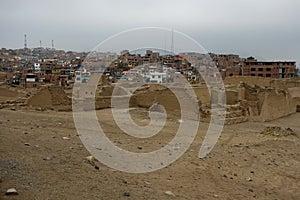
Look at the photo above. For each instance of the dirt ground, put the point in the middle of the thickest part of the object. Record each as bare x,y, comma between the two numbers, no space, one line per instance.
40,164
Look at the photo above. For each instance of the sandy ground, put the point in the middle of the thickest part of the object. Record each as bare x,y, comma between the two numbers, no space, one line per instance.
40,164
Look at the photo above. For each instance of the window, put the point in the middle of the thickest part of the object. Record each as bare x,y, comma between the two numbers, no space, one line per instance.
260,69
158,76
268,75
153,76
268,69
253,69
261,75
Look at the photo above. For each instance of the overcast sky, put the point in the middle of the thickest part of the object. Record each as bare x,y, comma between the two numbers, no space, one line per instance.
266,29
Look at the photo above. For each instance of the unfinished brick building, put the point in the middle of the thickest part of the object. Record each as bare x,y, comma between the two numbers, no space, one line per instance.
233,65
270,69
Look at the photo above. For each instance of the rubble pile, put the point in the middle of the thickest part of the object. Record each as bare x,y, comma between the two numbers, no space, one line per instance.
278,131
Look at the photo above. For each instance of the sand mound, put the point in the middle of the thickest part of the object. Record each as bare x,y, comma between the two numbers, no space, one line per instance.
49,97
41,99
277,131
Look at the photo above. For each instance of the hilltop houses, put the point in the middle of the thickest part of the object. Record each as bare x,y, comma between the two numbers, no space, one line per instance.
31,68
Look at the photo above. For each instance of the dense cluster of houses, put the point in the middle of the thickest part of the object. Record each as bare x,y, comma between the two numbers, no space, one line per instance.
154,67
150,67
33,67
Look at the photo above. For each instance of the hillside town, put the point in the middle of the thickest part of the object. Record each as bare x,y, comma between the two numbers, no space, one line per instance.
30,68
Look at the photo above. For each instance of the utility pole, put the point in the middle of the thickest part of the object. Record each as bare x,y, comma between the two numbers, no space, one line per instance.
172,44
52,44
25,41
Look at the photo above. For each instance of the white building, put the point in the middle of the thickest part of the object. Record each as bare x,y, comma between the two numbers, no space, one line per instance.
30,78
157,77
37,67
82,76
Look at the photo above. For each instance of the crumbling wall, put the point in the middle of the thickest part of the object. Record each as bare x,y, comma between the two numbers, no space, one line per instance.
151,94
244,102
285,83
276,104
12,97
264,104
295,94
249,80
263,81
202,94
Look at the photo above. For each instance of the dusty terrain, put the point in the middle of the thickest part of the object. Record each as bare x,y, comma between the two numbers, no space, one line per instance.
42,157
40,164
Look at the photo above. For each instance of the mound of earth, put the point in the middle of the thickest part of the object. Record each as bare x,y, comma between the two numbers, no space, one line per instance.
50,97
278,131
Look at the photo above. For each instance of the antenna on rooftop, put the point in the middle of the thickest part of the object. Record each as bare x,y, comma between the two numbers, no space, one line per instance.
52,44
165,45
172,44
25,41
40,43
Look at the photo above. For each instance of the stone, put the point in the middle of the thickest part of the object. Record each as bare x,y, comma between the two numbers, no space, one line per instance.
147,183
47,158
90,158
66,138
38,109
169,193
11,191
92,161
249,179
126,194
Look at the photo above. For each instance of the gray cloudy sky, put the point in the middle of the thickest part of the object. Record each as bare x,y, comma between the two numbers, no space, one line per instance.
267,29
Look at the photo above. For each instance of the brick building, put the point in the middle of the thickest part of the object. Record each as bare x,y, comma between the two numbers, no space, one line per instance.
233,65
269,69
